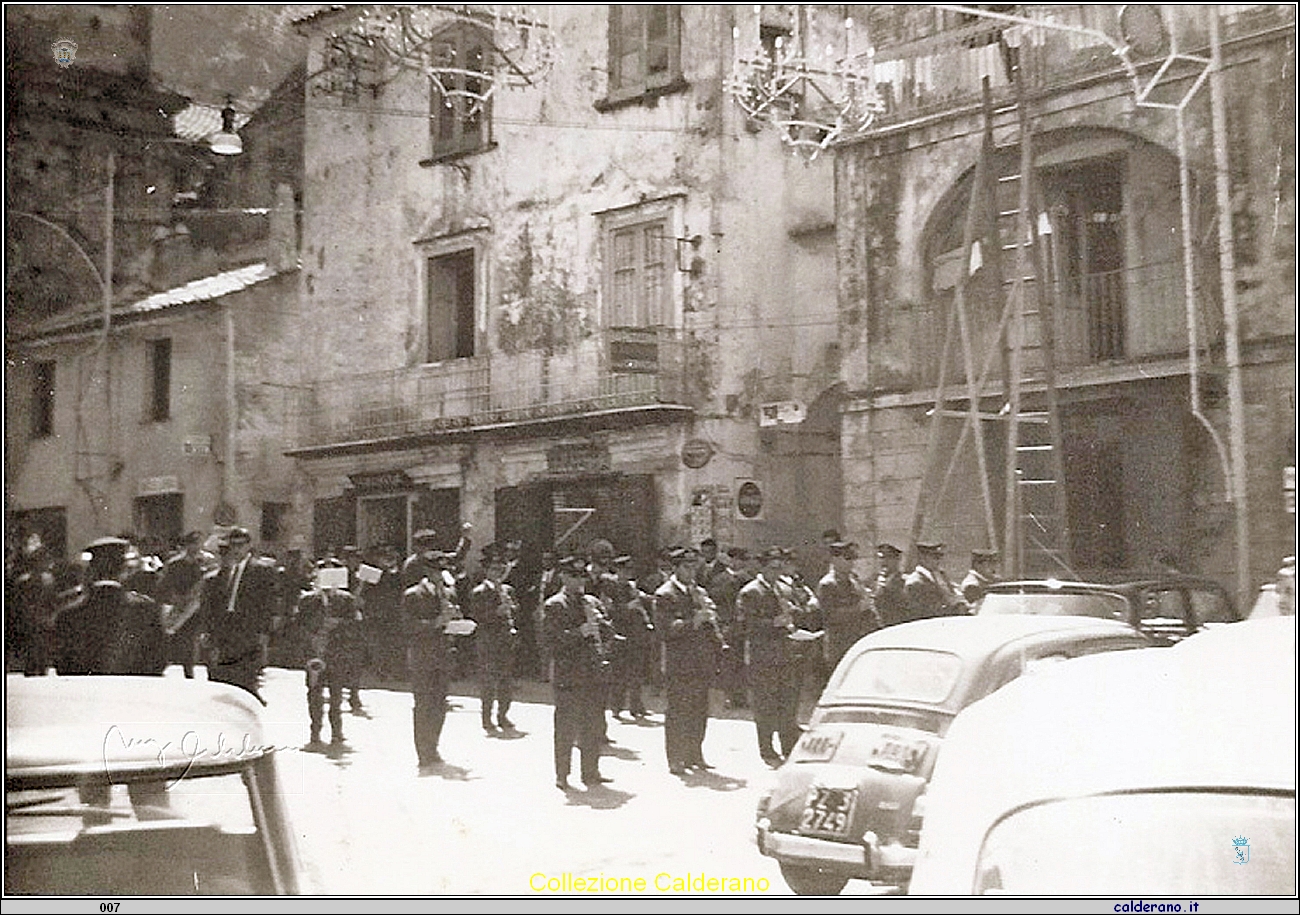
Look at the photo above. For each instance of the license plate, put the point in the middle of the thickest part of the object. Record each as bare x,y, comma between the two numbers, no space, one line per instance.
898,753
818,746
829,811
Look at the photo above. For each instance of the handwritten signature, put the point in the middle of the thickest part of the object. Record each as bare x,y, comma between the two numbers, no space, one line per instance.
188,750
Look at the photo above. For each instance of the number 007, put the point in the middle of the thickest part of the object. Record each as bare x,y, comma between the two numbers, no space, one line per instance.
109,906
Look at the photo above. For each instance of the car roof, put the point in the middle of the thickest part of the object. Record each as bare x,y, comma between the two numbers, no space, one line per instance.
972,636
1217,710
116,727
973,640
1054,585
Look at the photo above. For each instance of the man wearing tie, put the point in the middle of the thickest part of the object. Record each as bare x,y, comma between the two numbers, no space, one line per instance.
238,607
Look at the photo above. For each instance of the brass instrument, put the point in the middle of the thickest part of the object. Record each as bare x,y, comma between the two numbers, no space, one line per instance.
319,645
597,618
315,667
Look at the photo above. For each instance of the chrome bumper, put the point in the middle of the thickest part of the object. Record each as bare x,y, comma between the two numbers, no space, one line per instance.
866,860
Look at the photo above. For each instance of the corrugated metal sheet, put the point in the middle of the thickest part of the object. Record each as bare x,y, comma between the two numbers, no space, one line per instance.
201,290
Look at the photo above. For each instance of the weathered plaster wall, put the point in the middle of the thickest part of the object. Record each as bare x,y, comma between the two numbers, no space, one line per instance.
758,302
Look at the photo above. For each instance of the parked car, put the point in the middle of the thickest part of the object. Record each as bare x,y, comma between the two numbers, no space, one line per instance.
1155,773
847,803
1167,609
141,786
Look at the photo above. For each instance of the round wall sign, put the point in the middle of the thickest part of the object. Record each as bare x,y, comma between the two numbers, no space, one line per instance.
749,500
696,453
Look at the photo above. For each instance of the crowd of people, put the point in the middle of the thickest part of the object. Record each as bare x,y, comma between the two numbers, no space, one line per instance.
698,619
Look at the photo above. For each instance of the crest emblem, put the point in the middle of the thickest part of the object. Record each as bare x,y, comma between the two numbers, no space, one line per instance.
65,51
1240,850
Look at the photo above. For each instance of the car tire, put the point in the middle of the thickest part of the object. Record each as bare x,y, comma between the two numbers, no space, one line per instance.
808,881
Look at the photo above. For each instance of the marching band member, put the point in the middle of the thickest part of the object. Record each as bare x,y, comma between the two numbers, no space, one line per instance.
693,646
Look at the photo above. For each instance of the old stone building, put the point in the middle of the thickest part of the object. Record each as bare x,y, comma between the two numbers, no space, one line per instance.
558,310
1123,397
151,288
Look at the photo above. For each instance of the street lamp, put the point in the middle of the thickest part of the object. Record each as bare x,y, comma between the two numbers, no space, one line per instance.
226,142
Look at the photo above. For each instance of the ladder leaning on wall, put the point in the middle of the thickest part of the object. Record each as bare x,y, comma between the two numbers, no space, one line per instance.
1034,532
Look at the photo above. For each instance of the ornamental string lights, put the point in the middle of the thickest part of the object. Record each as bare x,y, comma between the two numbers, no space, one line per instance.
465,51
813,93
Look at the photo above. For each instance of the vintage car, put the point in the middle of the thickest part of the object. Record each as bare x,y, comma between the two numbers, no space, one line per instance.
141,786
847,803
1167,609
1160,773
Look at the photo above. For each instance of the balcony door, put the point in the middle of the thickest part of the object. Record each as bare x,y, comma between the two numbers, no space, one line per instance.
450,297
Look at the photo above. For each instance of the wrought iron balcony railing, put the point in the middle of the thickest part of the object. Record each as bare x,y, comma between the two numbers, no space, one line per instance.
616,369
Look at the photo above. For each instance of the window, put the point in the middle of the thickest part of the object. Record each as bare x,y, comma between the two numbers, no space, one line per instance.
450,306
42,399
160,380
644,50
274,515
1087,200
639,287
459,116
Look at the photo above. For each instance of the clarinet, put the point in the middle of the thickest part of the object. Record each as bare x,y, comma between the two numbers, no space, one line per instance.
592,611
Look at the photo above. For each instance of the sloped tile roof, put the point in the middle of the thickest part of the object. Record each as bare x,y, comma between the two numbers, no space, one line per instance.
201,290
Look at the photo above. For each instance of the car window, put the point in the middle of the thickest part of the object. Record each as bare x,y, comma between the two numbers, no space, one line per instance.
1169,843
1164,605
1054,603
1210,606
908,674
193,836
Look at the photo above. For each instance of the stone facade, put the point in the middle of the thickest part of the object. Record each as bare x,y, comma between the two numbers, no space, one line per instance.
539,419
1143,475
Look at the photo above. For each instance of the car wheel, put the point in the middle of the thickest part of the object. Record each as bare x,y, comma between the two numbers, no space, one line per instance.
808,881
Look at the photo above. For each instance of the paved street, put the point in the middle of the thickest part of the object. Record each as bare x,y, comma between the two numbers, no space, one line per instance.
491,819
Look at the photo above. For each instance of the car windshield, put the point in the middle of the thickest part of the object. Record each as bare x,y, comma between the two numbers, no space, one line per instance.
1168,843
892,674
191,836
1054,603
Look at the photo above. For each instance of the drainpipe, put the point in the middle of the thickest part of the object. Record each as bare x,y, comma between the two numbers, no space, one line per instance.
1228,281
226,504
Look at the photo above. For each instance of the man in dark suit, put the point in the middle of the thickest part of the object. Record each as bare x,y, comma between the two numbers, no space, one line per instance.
772,616
687,619
428,606
887,593
180,592
927,592
846,602
493,607
983,572
109,629
578,637
239,607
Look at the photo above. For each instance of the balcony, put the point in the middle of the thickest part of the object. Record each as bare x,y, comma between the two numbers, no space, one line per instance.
616,372
1116,317
927,62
